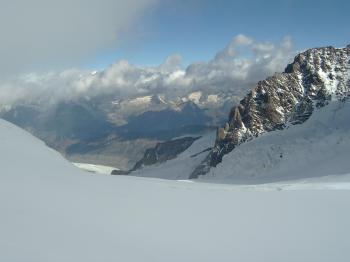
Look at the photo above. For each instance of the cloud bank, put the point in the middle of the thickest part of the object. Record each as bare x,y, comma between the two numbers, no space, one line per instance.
236,69
49,33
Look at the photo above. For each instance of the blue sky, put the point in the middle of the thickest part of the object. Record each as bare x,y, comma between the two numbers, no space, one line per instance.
89,34
54,45
198,29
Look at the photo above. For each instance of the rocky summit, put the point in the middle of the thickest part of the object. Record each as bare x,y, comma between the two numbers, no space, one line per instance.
315,77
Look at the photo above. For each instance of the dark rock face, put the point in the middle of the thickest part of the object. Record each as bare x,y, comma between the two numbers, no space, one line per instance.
315,77
164,151
120,172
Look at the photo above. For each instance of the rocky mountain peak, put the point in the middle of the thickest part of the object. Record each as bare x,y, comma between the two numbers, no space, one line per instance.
313,78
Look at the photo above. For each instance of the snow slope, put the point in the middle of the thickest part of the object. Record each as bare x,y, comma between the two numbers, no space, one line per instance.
52,211
318,147
98,169
183,164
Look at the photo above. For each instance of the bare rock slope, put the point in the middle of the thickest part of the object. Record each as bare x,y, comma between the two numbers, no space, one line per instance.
315,77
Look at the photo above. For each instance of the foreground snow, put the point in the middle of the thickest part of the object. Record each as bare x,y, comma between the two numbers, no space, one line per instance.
52,211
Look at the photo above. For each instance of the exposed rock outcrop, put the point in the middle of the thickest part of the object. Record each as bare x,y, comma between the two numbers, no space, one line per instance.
161,152
315,77
164,151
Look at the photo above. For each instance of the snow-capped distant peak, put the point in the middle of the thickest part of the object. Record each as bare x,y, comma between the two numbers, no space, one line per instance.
161,98
143,100
213,99
195,97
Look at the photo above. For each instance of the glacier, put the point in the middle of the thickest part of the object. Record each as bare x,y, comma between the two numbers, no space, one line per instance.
52,211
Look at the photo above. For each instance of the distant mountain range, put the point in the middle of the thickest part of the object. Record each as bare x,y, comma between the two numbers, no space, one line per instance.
114,131
107,130
291,125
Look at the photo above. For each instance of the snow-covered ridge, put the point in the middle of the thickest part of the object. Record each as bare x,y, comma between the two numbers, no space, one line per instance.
22,154
316,77
319,147
314,153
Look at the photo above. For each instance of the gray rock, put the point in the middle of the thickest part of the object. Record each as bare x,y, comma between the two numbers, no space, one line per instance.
316,76
120,172
164,151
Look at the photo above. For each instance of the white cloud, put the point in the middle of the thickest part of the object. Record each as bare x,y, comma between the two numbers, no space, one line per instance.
242,40
226,72
232,49
172,63
39,34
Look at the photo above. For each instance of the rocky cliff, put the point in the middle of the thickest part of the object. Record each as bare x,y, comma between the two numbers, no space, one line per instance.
315,77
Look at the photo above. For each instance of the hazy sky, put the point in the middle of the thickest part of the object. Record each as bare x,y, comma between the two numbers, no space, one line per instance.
57,34
51,34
